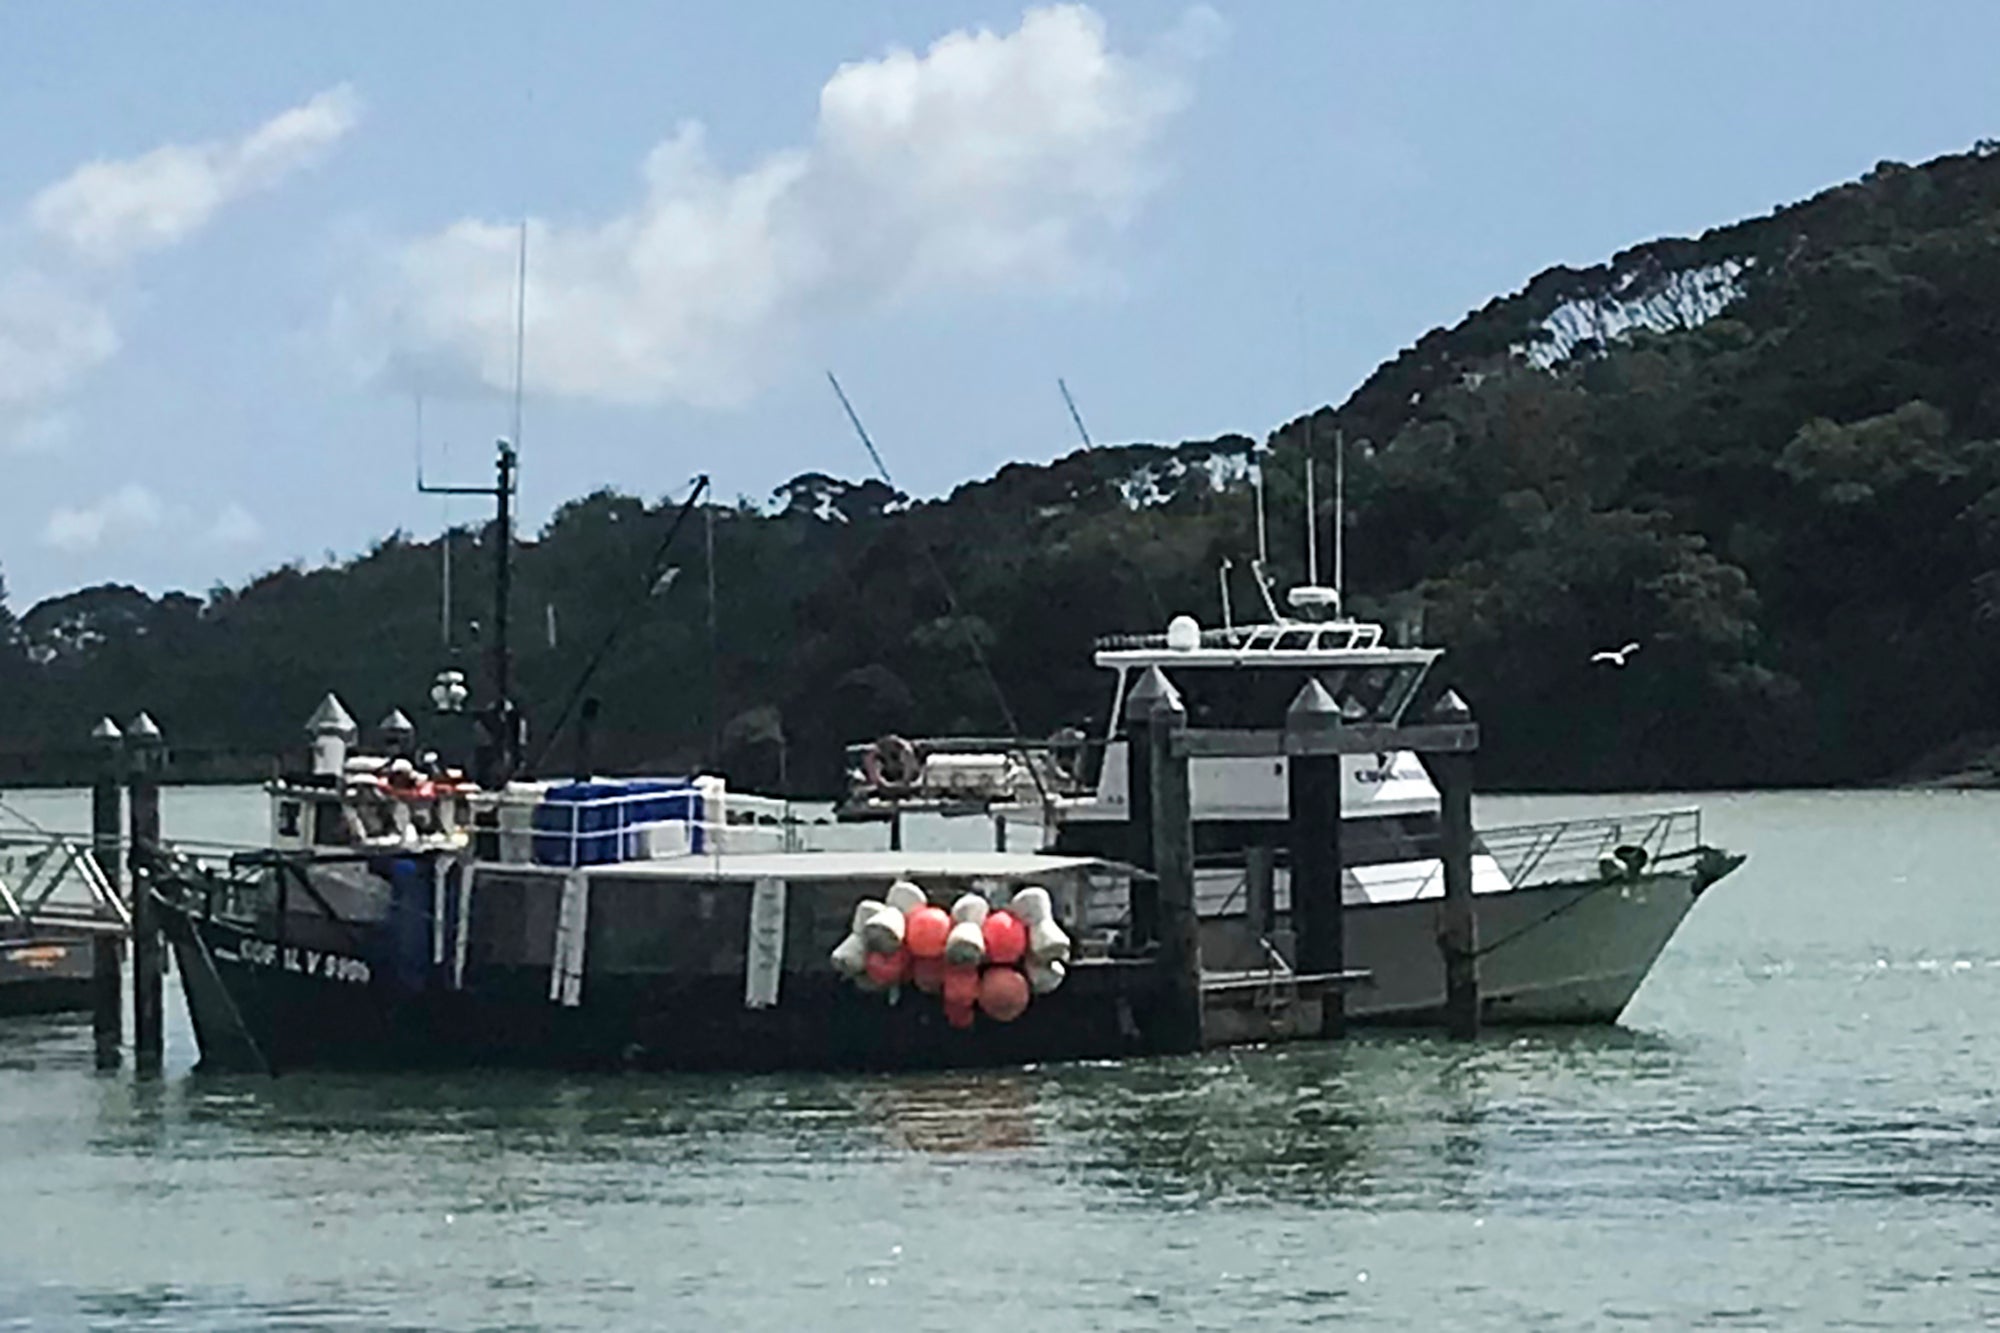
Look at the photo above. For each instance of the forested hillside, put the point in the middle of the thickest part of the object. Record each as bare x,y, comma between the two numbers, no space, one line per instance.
1768,454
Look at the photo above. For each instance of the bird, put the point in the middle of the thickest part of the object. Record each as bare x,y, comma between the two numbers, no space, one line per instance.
1615,656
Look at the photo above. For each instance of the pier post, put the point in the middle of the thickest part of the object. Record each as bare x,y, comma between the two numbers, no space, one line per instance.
1260,892
1313,764
1458,926
148,960
107,839
1144,906
1172,845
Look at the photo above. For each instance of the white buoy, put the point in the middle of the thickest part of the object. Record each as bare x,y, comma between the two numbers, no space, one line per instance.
1044,977
882,928
1047,942
850,956
905,897
1183,634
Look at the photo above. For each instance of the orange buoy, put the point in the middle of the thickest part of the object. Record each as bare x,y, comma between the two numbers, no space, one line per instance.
961,984
1006,937
958,1015
889,969
924,930
1003,994
927,974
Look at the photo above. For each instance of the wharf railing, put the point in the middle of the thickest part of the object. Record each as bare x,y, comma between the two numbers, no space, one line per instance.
54,880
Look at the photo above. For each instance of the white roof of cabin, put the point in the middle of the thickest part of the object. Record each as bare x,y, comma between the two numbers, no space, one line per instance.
800,866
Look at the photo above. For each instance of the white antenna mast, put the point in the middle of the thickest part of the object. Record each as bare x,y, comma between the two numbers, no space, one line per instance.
1312,528
1263,545
520,328
444,538
1339,513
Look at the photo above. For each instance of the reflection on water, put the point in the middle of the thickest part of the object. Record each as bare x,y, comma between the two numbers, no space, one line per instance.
1799,1127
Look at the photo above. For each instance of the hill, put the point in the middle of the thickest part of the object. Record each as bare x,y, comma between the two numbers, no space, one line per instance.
1767,454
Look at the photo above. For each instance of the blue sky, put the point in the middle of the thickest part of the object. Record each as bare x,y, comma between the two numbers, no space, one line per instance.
238,240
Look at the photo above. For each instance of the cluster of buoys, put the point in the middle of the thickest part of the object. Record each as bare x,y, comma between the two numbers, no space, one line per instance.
979,959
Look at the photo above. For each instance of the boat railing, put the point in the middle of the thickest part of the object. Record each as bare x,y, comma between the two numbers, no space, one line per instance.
971,771
55,880
1590,848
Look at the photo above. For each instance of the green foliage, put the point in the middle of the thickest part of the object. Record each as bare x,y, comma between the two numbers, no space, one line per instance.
1766,454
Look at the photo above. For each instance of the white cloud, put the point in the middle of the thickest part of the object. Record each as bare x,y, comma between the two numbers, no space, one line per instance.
49,338
235,526
108,211
129,509
56,325
989,160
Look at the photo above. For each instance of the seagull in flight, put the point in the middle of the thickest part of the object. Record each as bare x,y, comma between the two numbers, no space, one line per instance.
1615,656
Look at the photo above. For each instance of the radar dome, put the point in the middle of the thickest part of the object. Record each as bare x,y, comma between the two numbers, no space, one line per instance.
1183,634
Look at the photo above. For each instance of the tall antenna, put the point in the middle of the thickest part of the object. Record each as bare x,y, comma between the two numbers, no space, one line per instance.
520,326
1339,509
444,538
1074,415
714,652
1312,527
1263,542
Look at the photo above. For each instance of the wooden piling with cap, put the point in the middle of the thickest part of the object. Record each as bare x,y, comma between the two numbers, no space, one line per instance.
1458,924
107,837
148,752
1313,778
1155,706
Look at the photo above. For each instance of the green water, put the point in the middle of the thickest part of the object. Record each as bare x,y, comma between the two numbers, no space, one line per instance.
1796,1128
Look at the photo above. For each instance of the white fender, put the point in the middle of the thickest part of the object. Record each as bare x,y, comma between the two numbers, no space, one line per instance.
965,944
882,929
970,908
850,956
1044,977
1047,941
905,897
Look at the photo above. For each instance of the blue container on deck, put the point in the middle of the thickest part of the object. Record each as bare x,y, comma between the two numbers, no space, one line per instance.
604,822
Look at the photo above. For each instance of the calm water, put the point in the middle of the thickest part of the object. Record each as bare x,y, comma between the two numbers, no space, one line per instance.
1797,1127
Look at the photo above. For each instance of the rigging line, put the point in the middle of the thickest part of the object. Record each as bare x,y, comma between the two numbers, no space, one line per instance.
639,599
520,327
1145,579
951,601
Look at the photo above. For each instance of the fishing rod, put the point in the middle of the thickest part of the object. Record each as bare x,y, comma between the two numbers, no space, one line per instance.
951,602
657,578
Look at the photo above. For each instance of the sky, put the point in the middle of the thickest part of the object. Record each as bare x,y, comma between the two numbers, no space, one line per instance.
255,259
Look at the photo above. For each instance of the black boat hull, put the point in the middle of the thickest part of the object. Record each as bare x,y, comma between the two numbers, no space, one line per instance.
260,1005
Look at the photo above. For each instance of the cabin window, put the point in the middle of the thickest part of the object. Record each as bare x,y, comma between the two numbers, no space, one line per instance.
1333,640
289,818
329,824
1295,640
1245,696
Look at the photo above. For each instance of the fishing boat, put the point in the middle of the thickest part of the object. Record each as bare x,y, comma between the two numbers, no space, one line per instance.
1571,915
409,912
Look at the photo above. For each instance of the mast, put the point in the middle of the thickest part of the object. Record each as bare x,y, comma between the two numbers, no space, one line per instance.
1263,545
503,578
1312,527
1339,514
500,755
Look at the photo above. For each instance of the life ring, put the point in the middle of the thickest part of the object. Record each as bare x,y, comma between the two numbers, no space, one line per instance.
891,762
